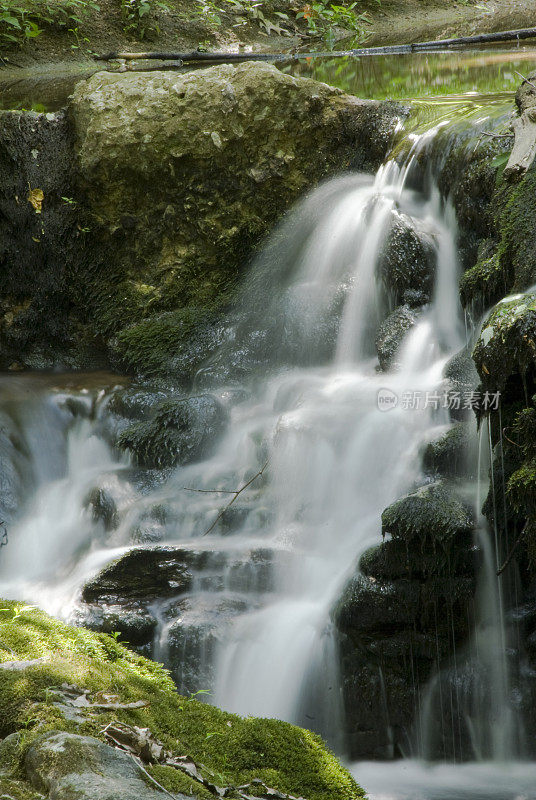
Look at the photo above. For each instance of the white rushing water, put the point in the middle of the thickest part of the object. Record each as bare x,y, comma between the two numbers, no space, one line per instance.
340,442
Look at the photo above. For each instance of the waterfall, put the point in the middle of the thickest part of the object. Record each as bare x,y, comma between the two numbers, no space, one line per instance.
338,457
341,440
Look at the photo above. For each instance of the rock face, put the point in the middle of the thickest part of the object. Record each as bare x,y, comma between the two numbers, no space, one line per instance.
140,206
396,618
185,173
65,765
506,344
179,432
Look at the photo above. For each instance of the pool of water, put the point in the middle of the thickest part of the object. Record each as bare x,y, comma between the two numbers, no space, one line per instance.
413,780
480,70
455,76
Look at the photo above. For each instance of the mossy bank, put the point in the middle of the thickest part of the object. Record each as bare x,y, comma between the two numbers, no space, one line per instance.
232,750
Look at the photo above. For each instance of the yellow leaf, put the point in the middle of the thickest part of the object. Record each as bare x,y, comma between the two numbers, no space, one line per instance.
485,369
36,198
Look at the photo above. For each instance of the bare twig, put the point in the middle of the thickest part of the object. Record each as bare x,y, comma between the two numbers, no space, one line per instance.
514,548
491,136
525,80
509,440
17,666
236,494
209,491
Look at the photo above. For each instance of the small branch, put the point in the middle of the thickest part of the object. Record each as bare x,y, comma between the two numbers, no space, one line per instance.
525,80
236,494
508,439
491,136
497,135
514,548
209,491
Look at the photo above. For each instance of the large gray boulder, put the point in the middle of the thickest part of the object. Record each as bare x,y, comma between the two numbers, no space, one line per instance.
71,767
186,173
188,169
125,222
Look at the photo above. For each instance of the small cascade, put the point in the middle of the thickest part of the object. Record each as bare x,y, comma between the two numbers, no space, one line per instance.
240,604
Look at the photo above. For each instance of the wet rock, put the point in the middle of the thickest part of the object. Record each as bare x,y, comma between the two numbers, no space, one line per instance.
368,606
391,335
133,622
10,480
142,575
486,282
103,508
137,402
179,432
65,765
37,328
447,455
432,516
199,626
407,262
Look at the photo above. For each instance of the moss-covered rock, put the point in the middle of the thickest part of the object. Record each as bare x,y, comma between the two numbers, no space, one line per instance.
67,765
406,611
507,342
288,759
485,283
432,516
179,432
183,175
125,224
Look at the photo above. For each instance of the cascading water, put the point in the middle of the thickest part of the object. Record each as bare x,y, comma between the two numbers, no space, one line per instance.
340,441
339,456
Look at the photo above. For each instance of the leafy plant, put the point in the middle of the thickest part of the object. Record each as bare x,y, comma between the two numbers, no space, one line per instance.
254,12
136,15
24,20
323,17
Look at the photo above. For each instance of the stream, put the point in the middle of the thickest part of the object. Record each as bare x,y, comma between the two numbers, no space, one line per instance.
329,439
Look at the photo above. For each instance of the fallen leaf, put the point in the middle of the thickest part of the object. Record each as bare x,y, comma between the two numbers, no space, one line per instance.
35,198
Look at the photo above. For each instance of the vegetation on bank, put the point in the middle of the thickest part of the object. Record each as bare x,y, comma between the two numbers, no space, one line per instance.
24,20
234,751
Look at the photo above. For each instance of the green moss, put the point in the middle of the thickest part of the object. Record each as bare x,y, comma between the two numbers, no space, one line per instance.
17,790
287,758
515,218
180,431
485,283
159,345
432,517
507,342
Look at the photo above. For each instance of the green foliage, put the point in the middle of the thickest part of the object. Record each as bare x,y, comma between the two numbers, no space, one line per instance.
287,758
22,20
136,15
322,17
